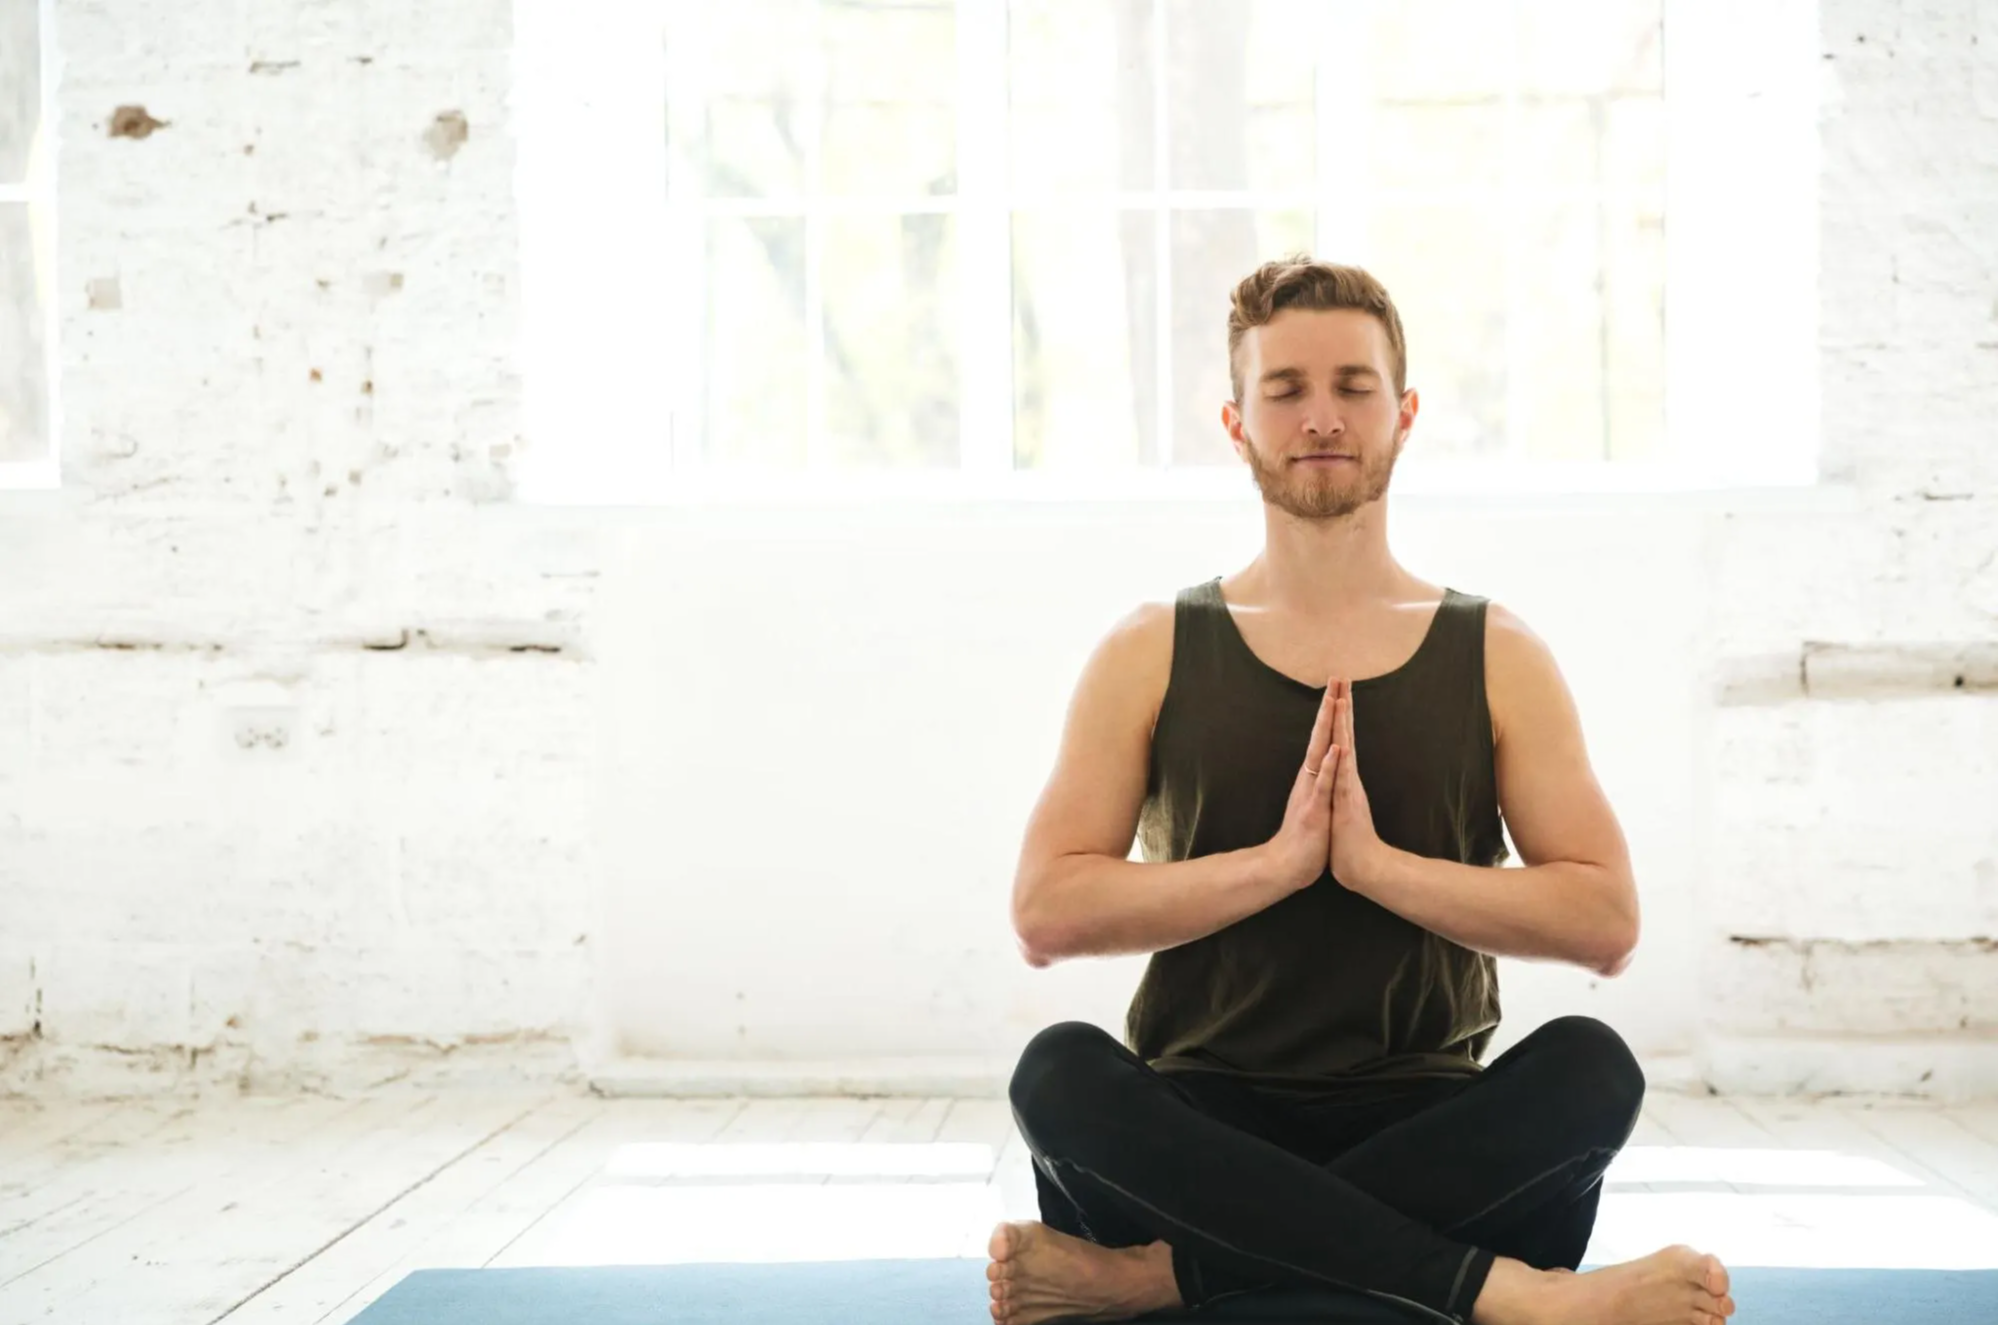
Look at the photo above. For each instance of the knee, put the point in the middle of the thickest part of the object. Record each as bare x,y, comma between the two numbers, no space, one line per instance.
1052,1075
1601,1067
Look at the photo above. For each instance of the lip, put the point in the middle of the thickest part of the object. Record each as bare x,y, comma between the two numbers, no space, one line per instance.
1323,459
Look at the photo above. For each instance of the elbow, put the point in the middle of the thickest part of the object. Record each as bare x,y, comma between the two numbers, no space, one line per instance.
1616,965
1617,949
1030,931
1032,950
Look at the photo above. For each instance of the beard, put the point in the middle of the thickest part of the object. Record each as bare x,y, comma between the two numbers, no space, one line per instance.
1314,493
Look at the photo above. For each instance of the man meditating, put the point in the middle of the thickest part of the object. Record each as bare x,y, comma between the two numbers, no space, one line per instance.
1299,1099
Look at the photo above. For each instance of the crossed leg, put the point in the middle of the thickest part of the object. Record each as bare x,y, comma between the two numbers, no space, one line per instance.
1508,1163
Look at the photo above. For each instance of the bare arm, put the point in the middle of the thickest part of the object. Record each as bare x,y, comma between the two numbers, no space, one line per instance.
1075,893
1576,901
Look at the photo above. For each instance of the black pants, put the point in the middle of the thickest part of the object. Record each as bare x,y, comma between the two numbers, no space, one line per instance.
1405,1193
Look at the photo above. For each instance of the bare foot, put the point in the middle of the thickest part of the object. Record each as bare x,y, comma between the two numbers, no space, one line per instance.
1676,1286
1039,1274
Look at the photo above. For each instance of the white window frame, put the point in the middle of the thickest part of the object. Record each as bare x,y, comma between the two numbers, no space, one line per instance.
1741,343
39,192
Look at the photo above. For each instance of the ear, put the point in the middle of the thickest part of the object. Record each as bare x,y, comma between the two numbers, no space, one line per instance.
1232,422
1406,420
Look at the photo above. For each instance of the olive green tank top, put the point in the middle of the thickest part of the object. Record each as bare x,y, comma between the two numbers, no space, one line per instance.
1325,986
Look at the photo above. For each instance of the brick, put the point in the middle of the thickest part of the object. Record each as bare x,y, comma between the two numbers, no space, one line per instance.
1855,820
115,993
1853,671
1823,986
20,993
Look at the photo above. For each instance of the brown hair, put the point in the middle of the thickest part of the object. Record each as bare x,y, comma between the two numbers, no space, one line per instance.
1299,282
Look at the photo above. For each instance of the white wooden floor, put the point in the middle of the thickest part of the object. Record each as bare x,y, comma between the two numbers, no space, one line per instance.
306,1209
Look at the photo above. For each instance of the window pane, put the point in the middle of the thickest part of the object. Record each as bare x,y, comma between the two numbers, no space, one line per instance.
892,341
1239,94
1560,143
1560,343
754,342
1588,47
24,382
1445,268
891,114
1085,385
1634,147
1421,146
1634,272
739,76
1080,83
1441,50
20,87
1212,251
1635,275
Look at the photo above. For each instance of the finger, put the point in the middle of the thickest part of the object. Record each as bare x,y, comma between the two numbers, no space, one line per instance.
1346,715
1329,772
1323,730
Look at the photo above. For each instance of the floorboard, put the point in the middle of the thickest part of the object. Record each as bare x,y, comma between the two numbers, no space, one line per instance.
306,1209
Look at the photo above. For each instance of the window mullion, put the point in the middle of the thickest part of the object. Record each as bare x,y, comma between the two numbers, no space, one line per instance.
818,448
1513,434
984,240
689,225
1162,253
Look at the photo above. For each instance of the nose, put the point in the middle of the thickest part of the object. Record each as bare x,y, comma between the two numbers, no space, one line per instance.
1321,419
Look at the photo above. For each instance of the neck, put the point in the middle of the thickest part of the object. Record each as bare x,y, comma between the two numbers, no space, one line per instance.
1326,566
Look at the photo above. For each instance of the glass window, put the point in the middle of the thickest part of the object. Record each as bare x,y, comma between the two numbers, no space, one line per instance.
918,211
24,242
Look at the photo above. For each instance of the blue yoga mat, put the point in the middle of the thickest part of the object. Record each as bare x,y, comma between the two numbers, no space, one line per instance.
953,1292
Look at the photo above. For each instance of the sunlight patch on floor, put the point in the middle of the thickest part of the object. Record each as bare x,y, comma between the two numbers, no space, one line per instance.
659,1204
925,1160
1884,1231
1753,1168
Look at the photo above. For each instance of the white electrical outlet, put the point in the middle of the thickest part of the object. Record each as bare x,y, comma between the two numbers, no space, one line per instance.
260,719
263,730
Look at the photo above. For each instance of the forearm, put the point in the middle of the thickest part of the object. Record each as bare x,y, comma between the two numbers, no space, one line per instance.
1558,911
1100,906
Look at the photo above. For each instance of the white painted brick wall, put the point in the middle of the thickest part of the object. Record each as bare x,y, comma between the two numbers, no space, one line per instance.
1857,989
1838,815
1855,819
288,416
291,420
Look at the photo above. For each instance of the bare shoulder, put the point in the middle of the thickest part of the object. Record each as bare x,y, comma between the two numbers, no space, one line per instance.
1136,655
1152,621
1092,800
1508,635
1521,676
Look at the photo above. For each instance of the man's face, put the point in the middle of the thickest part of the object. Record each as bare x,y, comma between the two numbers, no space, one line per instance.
1319,421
